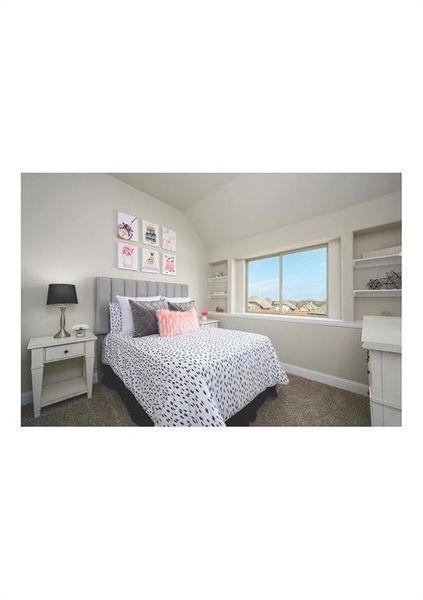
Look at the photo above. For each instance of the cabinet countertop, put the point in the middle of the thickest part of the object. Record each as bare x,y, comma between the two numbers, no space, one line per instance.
49,340
381,333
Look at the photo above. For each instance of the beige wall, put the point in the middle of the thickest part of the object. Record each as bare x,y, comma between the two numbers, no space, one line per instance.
332,350
68,235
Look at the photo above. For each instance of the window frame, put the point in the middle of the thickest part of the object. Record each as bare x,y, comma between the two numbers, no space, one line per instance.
281,255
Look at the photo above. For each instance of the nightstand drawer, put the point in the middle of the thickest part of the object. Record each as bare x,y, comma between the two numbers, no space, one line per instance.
65,351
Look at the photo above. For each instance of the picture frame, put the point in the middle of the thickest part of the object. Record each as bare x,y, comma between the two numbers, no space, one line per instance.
127,256
150,233
127,227
168,264
168,239
150,261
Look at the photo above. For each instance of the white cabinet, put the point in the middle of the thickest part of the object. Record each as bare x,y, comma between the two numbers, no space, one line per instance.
48,349
209,323
381,337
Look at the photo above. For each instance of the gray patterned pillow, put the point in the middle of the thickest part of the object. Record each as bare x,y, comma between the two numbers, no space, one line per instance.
181,306
144,315
115,317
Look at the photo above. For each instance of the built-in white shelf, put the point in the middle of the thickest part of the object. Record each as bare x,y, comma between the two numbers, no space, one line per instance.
377,293
213,279
220,295
54,392
378,261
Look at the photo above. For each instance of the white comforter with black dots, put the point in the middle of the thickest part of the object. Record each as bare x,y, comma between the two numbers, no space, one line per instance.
194,379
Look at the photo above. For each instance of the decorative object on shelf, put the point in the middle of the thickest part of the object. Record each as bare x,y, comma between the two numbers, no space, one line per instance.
80,329
383,252
374,284
219,274
392,281
204,315
150,233
219,309
127,257
169,264
168,239
127,227
150,261
62,294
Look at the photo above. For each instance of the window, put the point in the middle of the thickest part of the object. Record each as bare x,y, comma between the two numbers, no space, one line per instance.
290,283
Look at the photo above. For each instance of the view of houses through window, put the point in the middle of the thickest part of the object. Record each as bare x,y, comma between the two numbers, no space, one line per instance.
291,283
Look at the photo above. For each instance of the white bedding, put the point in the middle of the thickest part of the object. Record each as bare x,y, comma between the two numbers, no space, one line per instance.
201,378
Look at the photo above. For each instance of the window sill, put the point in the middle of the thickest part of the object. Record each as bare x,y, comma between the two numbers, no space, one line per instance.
304,320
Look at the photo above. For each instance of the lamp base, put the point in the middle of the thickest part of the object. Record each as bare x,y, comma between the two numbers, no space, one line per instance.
62,333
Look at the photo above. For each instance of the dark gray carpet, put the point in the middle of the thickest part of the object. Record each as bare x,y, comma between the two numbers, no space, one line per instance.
301,403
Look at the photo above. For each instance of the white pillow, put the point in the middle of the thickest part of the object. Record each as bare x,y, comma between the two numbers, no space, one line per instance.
125,309
177,299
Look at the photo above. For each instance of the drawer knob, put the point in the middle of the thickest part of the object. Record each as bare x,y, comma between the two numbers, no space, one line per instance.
66,351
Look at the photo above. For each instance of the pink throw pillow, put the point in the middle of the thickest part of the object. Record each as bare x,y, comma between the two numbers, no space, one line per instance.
173,322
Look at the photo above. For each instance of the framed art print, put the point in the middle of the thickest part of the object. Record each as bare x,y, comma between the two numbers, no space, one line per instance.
168,239
150,261
127,227
127,257
169,264
150,233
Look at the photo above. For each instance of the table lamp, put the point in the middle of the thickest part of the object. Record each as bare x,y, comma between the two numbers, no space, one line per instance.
62,294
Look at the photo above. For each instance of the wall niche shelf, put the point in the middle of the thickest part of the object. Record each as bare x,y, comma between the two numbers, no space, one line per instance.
377,293
385,242
218,287
378,261
213,279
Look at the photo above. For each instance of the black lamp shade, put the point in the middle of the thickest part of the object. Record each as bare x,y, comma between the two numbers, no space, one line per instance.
61,293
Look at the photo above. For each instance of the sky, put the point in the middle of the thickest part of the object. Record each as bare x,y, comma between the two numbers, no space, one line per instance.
303,276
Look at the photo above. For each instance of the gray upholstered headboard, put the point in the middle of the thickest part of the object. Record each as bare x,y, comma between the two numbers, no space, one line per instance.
106,290
108,287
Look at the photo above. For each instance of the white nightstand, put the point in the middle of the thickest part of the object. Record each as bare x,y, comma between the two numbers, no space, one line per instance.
47,349
210,323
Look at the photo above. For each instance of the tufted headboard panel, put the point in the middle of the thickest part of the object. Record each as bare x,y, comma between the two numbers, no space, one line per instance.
108,287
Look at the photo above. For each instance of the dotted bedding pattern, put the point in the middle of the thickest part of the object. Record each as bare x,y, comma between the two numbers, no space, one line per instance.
195,379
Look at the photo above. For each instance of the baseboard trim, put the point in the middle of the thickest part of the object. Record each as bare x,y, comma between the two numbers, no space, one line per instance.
332,380
26,397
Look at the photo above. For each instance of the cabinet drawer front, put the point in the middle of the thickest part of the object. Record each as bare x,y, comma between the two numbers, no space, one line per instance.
65,351
210,324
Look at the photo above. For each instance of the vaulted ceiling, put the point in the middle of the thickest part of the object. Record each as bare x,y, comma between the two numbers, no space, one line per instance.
223,207
181,190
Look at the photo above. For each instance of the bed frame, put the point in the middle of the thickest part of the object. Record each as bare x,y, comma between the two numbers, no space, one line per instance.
106,290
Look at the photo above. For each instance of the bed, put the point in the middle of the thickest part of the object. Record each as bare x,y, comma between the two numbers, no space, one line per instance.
211,377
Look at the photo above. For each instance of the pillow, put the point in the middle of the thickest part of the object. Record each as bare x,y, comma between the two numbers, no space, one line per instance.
125,309
181,306
173,322
144,315
115,317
